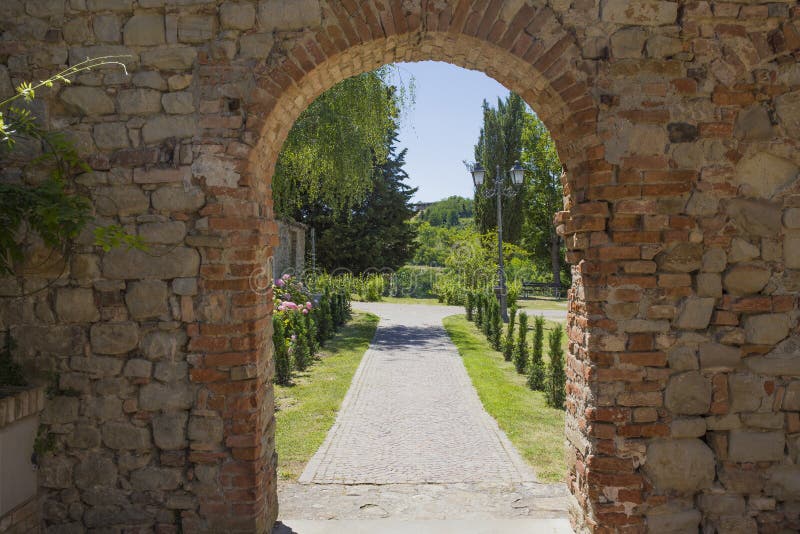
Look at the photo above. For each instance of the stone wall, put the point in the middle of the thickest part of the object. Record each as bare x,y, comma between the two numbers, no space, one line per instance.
289,256
677,123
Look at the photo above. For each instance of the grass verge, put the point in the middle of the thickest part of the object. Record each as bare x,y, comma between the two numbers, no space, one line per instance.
307,409
536,430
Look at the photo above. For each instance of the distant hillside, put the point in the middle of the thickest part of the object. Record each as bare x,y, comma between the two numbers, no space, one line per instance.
447,212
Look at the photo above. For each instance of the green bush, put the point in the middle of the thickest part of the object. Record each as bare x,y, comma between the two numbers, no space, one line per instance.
536,378
508,344
469,307
496,337
556,378
479,310
283,364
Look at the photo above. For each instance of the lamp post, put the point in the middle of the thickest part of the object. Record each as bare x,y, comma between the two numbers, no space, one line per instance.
516,174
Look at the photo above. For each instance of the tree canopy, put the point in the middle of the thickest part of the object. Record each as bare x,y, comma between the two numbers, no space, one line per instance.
330,152
448,212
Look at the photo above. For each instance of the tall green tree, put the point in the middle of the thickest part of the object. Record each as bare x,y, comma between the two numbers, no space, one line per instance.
448,212
330,152
545,197
375,233
500,144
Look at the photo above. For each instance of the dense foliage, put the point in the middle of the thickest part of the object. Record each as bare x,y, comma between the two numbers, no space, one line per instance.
303,321
375,232
330,152
499,145
448,212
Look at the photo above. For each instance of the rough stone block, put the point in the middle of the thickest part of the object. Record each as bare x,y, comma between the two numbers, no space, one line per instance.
276,15
179,103
684,465
178,199
106,28
692,427
695,313
766,329
718,356
161,345
114,338
764,174
170,58
709,285
256,45
628,42
147,299
138,368
169,431
750,446
755,217
237,15
179,262
156,478
120,200
163,232
163,127
154,397
196,28
787,110
205,429
95,471
781,361
139,101
125,436
87,100
76,305
688,393
110,135
144,30
681,258
746,279
746,392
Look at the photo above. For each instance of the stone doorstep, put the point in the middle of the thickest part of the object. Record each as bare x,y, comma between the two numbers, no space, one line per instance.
443,526
19,402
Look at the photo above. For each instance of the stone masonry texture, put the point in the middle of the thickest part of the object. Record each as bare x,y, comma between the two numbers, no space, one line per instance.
678,125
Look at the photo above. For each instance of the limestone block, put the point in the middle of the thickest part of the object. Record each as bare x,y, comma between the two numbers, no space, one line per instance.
695,313
662,46
787,109
645,13
171,371
714,260
184,286
791,251
170,58
766,420
673,521
110,135
84,437
139,101
125,436
723,422
147,299
178,262
752,446
60,410
783,482
791,398
746,392
628,42
277,15
114,338
106,28
682,358
138,368
178,199
681,258
156,478
753,123
120,200
692,427
718,504
718,356
179,82
85,267
766,329
96,366
764,174
256,45
109,5
87,100
169,431
709,285
94,471
783,360
702,204
77,31
76,305
742,250
196,28
684,465
205,429
163,127
755,217
144,30
179,103
163,232
149,79
158,344
237,15
45,8
688,394
154,397
746,279
216,171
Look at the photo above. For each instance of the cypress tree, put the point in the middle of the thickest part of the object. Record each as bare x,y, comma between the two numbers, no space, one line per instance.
469,306
479,310
497,326
508,344
557,379
536,378
521,350
301,357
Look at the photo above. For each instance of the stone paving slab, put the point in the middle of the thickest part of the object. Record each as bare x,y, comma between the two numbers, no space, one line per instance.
411,414
496,526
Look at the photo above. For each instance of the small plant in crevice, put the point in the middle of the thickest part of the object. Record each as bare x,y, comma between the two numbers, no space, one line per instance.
521,350
508,343
536,377
556,377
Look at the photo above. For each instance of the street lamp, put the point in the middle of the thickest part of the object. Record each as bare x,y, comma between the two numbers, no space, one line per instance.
516,174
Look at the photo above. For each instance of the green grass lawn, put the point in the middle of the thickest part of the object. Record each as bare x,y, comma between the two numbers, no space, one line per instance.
412,300
533,305
307,409
536,430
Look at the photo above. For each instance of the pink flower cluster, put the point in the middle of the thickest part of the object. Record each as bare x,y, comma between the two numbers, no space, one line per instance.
288,291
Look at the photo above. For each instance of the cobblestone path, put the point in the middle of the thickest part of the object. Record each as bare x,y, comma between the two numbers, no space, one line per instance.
412,415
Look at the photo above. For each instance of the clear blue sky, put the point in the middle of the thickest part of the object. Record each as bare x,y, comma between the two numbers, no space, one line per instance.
441,129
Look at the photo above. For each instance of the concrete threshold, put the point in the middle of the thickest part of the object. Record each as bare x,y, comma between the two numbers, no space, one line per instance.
424,526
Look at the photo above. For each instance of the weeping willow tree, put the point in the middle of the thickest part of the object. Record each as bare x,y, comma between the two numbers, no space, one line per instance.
331,151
